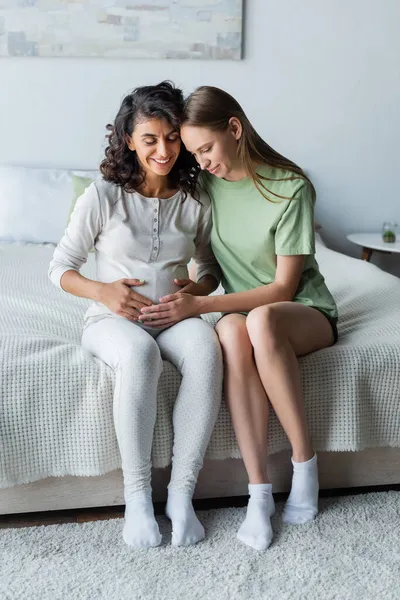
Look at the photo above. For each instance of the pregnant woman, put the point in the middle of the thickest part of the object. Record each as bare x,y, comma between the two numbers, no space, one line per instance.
146,221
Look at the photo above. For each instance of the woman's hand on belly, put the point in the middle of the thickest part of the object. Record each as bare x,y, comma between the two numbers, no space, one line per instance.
171,310
122,300
189,287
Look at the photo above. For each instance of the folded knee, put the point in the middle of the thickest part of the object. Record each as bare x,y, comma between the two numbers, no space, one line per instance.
201,341
233,335
263,325
144,353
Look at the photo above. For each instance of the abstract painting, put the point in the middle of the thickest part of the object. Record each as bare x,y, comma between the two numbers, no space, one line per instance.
184,29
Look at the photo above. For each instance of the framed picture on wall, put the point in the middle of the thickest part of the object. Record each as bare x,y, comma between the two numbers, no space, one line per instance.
175,29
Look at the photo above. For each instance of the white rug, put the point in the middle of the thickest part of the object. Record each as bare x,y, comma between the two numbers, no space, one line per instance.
350,552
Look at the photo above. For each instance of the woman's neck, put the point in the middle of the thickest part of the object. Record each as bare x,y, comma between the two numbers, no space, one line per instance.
239,171
156,187
236,174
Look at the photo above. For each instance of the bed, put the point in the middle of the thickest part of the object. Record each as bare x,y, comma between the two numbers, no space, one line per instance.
57,443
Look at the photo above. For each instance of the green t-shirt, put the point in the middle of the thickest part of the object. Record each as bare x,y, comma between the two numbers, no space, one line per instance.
249,231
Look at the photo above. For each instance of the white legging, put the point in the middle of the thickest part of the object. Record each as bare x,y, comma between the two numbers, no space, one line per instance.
136,356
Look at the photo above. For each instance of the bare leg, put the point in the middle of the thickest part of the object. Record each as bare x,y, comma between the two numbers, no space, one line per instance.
248,405
245,396
279,333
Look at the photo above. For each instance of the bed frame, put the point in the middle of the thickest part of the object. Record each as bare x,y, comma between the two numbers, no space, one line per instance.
218,479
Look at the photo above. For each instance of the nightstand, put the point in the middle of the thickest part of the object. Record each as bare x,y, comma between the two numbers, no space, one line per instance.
373,242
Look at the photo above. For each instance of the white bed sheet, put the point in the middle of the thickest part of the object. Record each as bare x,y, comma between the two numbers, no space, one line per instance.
56,399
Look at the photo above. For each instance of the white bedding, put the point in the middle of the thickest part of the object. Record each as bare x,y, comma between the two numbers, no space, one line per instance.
56,399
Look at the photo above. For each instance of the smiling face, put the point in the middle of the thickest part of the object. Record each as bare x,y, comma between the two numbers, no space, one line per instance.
157,145
215,151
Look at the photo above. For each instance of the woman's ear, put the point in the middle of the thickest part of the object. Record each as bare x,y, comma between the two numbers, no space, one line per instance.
235,128
130,143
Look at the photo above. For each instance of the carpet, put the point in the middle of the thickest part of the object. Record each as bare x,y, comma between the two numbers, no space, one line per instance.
350,552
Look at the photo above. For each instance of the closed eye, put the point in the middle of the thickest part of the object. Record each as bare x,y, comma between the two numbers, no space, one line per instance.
151,142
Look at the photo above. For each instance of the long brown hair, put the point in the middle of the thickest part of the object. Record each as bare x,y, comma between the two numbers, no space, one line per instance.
212,108
121,165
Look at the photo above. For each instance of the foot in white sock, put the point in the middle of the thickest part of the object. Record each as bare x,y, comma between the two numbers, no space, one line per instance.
186,528
302,504
256,530
140,527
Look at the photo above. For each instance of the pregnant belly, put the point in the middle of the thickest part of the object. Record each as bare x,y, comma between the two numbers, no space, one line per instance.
159,283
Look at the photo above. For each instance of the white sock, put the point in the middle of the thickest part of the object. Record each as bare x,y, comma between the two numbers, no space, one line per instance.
256,530
302,504
140,527
186,528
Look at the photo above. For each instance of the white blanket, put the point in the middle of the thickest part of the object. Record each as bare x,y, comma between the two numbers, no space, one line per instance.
56,399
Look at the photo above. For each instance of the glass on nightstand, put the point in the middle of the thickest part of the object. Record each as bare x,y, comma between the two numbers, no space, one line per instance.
389,232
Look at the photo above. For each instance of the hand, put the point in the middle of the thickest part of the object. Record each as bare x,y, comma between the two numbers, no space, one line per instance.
171,310
184,283
191,287
122,300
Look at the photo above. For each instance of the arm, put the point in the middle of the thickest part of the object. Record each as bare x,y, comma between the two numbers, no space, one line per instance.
117,295
207,268
204,272
294,238
74,283
193,271
182,306
71,253
203,287
283,288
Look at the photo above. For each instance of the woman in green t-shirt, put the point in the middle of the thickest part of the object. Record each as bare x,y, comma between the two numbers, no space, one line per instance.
276,307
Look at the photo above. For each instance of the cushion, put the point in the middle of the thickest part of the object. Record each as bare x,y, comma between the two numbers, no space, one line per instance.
35,204
80,183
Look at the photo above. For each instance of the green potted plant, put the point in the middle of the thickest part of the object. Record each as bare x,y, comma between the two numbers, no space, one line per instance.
388,232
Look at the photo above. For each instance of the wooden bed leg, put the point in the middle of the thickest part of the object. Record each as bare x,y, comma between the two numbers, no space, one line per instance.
366,254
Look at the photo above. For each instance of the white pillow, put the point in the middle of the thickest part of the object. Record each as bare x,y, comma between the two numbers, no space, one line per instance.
319,240
35,204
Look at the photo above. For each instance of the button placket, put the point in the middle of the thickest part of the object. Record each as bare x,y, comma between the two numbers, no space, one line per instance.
155,241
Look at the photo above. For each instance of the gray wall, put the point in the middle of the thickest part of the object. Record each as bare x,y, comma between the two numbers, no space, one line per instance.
320,81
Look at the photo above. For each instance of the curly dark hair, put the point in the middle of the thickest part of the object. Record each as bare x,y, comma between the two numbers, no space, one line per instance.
121,165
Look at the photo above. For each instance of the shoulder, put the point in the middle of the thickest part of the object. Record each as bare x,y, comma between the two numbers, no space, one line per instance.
305,192
200,199
107,189
204,191
283,182
108,195
204,198
205,180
